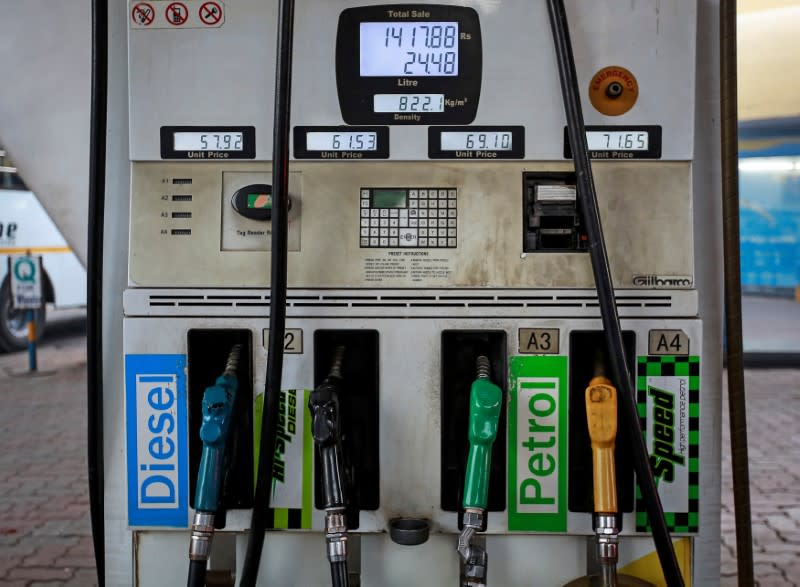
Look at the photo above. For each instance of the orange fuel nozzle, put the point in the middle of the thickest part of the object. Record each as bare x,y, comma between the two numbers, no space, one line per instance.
601,416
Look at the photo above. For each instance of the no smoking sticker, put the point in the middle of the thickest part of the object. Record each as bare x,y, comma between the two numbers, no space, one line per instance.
143,14
177,14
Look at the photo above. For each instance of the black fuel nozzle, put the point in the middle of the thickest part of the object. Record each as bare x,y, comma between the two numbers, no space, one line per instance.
326,430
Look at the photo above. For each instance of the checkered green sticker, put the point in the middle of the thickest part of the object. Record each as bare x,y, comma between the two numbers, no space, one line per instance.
668,399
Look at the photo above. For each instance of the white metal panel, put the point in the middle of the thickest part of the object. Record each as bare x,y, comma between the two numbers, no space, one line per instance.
653,39
119,548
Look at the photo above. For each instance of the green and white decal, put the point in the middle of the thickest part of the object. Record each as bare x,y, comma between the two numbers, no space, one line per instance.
668,398
292,470
537,444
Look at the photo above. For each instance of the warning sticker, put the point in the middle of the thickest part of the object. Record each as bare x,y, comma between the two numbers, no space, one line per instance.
668,398
177,14
210,13
143,14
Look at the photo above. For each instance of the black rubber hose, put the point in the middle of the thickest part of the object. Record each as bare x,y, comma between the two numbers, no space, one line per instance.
733,292
605,289
94,277
339,576
277,304
197,574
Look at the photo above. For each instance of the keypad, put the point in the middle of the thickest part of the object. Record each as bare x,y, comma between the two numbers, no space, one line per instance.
411,218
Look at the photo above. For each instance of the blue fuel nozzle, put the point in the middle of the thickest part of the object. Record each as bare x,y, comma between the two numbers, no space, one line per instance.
218,403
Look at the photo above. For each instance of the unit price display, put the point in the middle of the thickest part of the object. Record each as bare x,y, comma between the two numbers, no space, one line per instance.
408,103
341,141
618,140
396,49
477,141
203,141
208,142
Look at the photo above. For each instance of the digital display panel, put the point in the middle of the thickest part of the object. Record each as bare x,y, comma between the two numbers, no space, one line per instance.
477,141
408,49
208,141
618,140
408,103
341,141
389,198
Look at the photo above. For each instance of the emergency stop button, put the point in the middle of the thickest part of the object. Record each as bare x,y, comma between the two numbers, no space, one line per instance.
255,201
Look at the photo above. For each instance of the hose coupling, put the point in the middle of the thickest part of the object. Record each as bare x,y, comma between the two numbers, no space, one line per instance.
473,556
607,538
232,364
336,534
202,534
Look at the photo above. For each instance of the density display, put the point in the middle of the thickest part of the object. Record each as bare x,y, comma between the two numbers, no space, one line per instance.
208,142
408,103
409,64
476,142
341,142
620,142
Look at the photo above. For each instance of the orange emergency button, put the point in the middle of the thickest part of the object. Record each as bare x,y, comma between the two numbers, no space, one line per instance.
613,90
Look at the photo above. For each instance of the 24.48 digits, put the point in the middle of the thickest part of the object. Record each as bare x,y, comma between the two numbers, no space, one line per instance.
439,38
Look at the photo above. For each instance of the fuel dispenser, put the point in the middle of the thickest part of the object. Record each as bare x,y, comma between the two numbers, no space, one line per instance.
460,247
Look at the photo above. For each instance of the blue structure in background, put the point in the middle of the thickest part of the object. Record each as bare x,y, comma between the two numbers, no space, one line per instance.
769,188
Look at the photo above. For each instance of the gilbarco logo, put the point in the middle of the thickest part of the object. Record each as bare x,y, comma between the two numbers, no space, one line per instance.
681,281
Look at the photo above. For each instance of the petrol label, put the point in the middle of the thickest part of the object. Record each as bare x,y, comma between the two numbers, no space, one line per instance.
537,442
155,411
668,397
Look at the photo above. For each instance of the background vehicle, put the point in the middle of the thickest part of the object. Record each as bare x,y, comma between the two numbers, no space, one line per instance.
25,226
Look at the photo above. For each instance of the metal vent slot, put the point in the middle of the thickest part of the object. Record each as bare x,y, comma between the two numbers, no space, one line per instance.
410,302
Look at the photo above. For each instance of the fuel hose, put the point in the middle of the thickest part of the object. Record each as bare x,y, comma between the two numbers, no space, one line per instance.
277,303
733,293
94,277
587,198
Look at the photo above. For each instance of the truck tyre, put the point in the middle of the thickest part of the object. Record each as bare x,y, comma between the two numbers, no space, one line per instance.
13,327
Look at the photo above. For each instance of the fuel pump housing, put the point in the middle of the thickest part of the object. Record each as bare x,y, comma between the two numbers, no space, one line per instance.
434,219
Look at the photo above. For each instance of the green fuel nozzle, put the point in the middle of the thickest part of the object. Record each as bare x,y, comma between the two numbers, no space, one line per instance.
218,401
485,402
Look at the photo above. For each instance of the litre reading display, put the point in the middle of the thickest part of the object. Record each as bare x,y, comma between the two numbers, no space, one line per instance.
411,49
